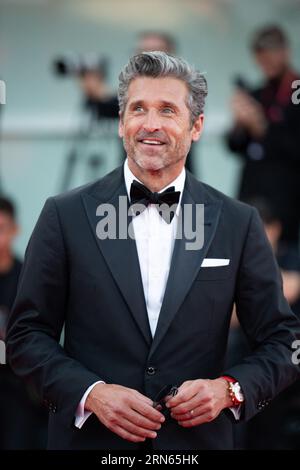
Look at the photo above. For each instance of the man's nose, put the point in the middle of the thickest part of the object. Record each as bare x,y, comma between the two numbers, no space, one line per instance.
152,121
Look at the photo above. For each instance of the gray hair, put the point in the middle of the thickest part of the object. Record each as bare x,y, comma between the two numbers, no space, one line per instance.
160,64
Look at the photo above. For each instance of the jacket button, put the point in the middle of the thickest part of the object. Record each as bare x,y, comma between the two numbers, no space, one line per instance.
151,370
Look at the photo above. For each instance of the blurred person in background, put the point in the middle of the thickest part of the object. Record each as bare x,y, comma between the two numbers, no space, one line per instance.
91,73
2,101
22,422
98,99
10,265
98,106
287,254
277,427
156,41
265,133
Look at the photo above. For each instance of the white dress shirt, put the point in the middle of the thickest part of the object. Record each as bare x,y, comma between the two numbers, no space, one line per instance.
155,240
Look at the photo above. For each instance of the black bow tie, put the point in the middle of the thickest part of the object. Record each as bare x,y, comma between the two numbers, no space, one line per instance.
140,194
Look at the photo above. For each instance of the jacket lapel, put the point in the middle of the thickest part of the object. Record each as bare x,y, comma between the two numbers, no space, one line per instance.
185,264
120,254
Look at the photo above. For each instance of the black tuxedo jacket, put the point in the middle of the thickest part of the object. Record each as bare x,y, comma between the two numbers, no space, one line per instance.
93,288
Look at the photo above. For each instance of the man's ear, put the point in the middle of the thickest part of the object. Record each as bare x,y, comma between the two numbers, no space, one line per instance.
121,125
197,127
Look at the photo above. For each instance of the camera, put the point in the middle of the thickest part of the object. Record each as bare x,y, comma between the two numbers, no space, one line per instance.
73,65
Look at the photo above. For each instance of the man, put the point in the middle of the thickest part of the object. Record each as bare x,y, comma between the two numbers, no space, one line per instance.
151,40
10,266
266,132
98,99
22,419
98,105
144,313
277,426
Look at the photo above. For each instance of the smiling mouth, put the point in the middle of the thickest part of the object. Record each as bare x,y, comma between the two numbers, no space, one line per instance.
151,142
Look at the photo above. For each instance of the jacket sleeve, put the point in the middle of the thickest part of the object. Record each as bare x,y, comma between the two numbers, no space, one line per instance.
282,138
37,319
267,321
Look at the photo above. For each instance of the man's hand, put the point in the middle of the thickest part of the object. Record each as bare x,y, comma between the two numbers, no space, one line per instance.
249,114
124,411
291,285
199,401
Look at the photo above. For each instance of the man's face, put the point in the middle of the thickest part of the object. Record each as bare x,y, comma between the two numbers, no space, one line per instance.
272,62
152,42
156,126
8,231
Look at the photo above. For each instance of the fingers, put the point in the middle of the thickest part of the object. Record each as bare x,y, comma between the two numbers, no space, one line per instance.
117,422
196,397
143,405
140,420
192,404
148,412
185,392
245,107
158,407
193,412
132,426
201,419
136,430
139,396
131,415
128,436
199,402
244,99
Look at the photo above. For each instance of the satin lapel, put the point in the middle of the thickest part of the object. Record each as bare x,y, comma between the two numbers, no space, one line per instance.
185,265
122,259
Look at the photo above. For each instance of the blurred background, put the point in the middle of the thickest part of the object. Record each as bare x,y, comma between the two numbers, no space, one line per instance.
42,111
60,61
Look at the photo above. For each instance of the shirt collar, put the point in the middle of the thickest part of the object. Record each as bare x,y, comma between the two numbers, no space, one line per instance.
178,182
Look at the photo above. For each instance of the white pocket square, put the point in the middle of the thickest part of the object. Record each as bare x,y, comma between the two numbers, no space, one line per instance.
213,262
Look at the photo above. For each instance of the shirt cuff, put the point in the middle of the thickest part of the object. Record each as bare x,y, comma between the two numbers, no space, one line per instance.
236,411
81,414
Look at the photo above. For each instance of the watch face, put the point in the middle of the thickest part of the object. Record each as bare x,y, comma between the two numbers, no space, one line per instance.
237,391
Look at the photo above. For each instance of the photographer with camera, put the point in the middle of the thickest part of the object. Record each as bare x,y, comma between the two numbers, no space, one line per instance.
91,73
265,133
98,107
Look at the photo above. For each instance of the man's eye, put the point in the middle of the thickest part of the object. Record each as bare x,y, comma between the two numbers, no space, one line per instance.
167,110
138,108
